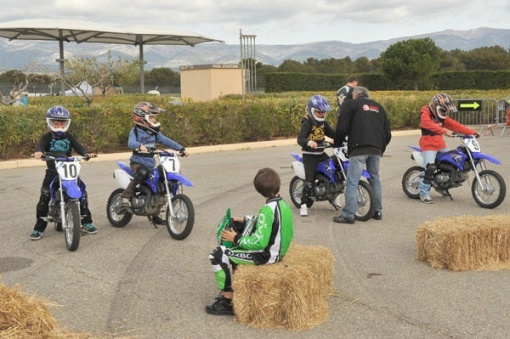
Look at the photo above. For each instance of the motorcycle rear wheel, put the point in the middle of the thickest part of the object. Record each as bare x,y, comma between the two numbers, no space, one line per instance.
72,225
179,225
492,193
116,216
296,191
411,180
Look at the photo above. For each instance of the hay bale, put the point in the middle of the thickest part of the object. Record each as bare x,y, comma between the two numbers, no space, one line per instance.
23,316
290,294
465,243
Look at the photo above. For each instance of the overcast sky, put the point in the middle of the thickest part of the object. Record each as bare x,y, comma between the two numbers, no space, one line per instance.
277,22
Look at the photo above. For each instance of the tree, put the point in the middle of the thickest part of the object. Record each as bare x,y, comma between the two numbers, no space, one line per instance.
262,70
450,61
20,80
293,66
411,61
493,58
84,73
163,77
362,65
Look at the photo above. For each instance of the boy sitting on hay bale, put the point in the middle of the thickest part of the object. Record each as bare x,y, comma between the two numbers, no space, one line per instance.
266,243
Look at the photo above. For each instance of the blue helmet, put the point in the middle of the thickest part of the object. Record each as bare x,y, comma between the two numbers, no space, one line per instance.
58,120
317,104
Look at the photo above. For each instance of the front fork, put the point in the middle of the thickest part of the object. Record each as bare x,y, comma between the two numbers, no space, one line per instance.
168,196
482,168
63,217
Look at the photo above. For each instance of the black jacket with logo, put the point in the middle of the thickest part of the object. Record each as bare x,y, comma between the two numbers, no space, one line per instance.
365,123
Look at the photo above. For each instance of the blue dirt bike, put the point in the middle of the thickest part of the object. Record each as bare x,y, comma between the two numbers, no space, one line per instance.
452,168
66,193
330,183
160,197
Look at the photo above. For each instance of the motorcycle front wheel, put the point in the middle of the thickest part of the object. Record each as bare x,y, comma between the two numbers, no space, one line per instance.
72,225
411,181
492,190
366,202
296,191
180,224
117,216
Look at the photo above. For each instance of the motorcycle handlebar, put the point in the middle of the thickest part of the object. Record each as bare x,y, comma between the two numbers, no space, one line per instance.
48,156
460,135
326,144
155,151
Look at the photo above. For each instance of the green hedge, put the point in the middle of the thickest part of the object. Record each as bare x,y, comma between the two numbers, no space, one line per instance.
104,127
481,80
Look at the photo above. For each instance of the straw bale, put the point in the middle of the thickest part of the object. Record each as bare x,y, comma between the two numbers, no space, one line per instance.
24,316
290,294
465,243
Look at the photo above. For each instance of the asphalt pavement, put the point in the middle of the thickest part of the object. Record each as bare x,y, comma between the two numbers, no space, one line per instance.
138,282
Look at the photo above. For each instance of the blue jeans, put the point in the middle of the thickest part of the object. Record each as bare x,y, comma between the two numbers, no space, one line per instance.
429,157
356,165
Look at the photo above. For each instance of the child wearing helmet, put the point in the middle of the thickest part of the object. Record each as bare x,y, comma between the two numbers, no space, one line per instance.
58,140
143,136
434,124
311,138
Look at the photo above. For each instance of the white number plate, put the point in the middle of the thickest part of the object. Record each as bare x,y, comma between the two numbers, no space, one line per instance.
473,145
68,170
171,164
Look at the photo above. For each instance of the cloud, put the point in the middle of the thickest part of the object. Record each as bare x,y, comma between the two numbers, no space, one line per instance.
278,22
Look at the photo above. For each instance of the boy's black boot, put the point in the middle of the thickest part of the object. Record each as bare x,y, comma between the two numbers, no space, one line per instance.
222,306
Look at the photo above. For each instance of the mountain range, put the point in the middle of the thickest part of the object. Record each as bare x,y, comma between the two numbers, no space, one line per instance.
18,54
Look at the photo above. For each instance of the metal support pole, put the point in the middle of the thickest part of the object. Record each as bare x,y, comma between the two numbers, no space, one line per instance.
243,76
248,62
61,62
254,67
142,62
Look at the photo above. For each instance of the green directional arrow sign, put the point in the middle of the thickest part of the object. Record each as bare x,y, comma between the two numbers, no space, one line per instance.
470,105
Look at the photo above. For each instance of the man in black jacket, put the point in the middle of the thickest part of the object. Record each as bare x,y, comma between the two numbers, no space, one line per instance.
365,123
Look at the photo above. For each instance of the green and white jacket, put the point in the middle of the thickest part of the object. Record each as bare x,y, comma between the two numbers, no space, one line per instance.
272,234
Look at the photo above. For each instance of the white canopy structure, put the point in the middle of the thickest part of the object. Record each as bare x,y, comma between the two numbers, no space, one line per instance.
84,31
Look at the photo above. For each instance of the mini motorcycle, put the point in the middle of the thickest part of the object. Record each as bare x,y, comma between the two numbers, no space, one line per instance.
160,197
66,193
330,183
452,168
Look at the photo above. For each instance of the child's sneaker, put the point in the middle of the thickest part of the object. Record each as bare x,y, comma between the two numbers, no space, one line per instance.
89,228
303,211
36,235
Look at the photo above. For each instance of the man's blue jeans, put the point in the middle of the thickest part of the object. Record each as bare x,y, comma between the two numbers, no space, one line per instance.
356,165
